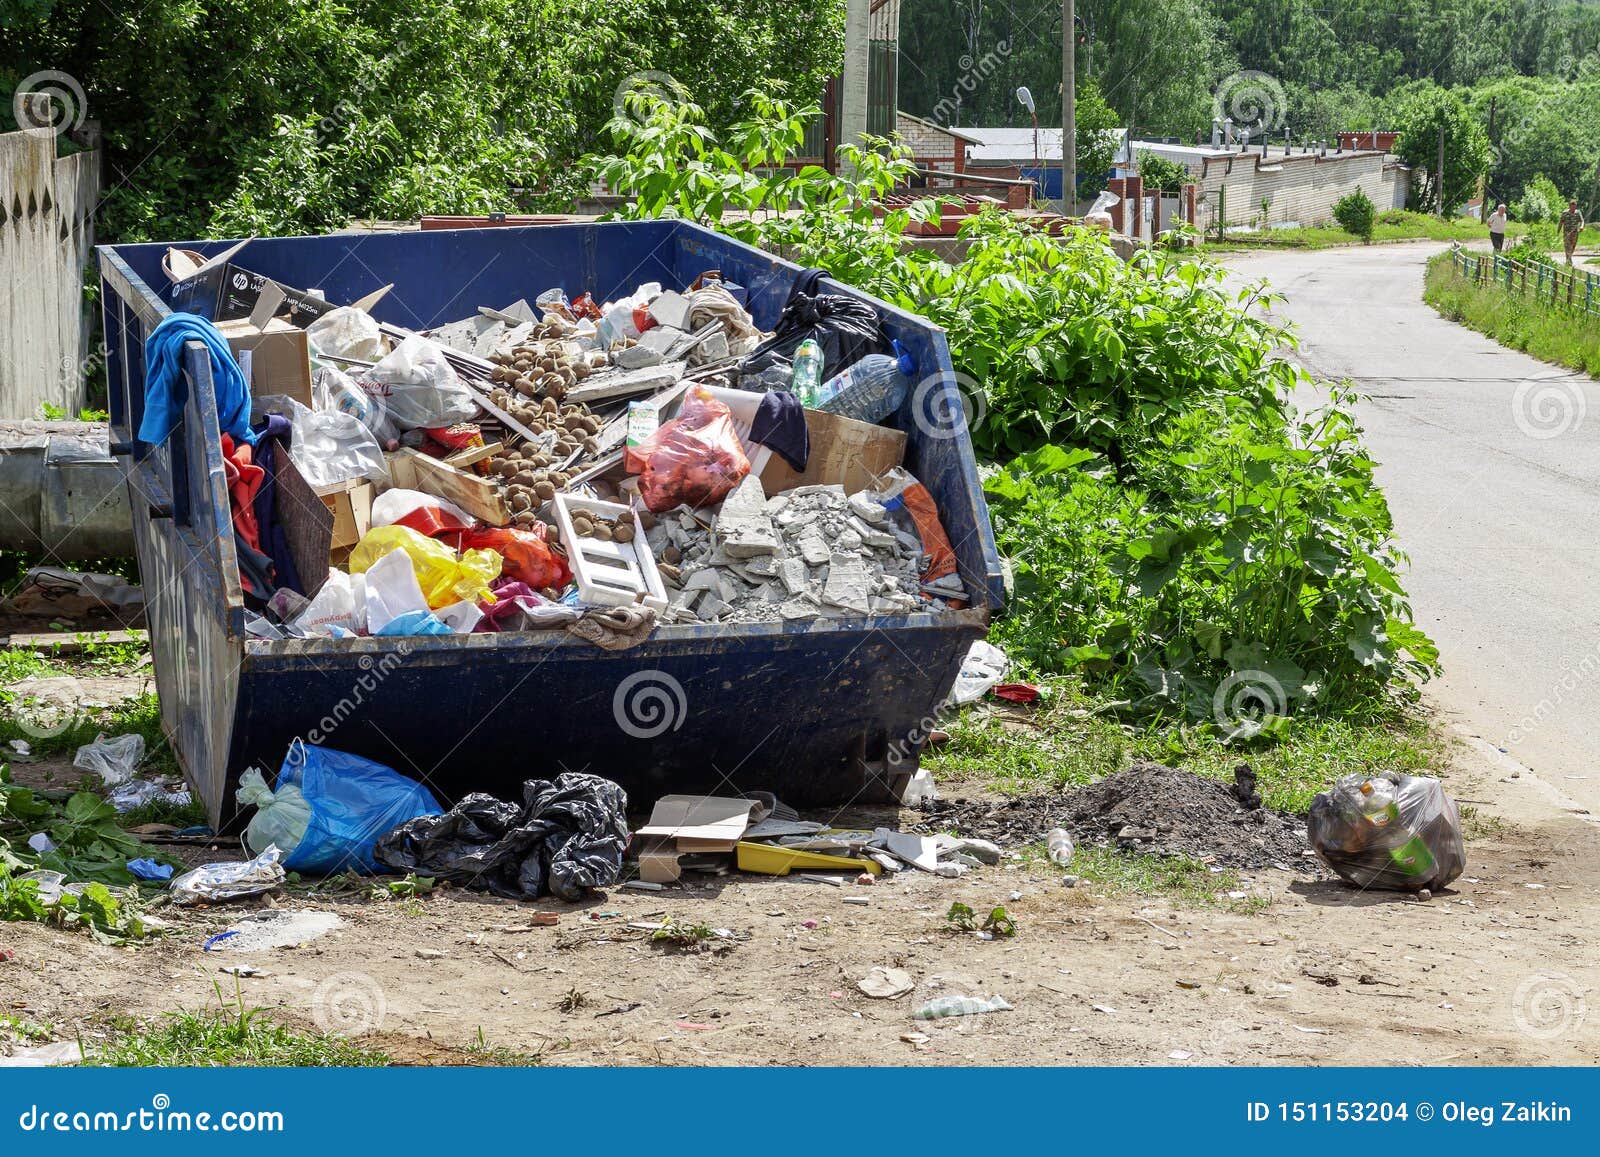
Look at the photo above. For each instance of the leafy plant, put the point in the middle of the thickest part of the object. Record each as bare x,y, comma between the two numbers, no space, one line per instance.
962,918
93,908
1160,174
1355,214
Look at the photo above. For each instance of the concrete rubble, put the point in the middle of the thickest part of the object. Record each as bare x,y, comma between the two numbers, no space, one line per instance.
808,553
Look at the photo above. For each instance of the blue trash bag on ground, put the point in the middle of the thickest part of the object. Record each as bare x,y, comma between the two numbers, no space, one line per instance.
353,802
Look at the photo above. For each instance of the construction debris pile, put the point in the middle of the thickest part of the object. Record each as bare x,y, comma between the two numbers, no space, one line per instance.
599,467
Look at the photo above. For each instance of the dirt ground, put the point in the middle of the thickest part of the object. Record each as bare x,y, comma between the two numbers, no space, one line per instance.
1495,970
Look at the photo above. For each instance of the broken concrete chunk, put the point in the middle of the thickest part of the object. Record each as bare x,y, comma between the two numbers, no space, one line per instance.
637,357
867,510
849,540
813,549
849,584
793,573
671,311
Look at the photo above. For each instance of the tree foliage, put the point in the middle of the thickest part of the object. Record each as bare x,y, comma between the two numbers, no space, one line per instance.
223,116
1424,116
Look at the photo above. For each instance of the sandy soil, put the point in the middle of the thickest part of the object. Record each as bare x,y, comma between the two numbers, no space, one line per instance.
1496,970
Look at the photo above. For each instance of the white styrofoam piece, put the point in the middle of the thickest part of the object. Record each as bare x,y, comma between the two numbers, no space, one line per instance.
610,574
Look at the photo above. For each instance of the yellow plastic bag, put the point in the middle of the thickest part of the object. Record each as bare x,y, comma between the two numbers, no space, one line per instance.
444,577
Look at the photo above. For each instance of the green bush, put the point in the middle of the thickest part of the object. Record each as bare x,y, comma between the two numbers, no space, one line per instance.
1540,202
1355,214
1175,532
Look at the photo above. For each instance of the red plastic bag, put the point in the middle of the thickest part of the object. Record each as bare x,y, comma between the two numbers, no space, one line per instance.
694,460
525,556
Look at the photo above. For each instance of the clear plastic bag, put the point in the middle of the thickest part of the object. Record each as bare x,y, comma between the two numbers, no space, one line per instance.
329,446
1388,830
114,760
281,818
392,591
415,386
983,668
693,460
348,332
229,880
335,390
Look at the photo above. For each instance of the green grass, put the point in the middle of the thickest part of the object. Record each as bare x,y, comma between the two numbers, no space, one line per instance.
142,715
1071,739
1392,225
1513,320
224,1037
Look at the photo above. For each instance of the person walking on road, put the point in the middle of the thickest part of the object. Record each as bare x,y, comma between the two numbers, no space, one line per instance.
1571,226
1497,227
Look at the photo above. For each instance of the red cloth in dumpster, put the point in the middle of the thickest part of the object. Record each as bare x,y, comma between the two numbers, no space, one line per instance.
1016,692
695,459
525,556
244,478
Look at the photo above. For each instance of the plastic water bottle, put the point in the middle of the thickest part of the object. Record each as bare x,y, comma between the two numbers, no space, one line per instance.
807,372
868,391
1059,844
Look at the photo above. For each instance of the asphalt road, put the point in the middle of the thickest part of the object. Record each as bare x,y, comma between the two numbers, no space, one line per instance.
1491,461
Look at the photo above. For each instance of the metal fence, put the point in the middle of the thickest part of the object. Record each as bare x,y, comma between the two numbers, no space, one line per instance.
1568,290
46,238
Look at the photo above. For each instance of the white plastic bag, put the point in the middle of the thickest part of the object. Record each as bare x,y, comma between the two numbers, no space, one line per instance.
281,817
415,386
392,590
461,618
348,332
334,390
113,760
393,505
329,446
983,668
340,606
228,880
1099,214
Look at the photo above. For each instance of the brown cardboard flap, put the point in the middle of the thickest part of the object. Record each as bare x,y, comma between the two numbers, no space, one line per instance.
844,452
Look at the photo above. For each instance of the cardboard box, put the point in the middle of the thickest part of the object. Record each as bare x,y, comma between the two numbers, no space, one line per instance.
351,505
843,451
280,356
220,289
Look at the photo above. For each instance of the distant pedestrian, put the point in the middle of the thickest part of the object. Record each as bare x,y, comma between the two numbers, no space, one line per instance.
1571,226
1497,227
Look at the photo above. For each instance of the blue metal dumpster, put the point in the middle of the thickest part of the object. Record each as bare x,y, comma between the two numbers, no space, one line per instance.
824,712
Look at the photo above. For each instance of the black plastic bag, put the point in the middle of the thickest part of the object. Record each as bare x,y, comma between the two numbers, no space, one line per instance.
846,329
567,836
1388,830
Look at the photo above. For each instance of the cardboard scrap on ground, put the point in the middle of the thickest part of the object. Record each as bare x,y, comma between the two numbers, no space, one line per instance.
681,824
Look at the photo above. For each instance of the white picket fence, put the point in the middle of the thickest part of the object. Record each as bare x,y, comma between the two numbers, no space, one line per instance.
47,208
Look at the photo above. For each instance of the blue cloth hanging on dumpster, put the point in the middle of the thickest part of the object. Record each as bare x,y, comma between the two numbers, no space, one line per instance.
163,359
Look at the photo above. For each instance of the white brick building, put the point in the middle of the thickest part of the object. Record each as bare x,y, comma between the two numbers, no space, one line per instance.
1298,187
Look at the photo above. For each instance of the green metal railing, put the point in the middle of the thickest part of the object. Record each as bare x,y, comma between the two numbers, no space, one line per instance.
1565,289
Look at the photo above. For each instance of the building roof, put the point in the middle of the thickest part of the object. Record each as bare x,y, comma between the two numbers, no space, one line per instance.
1009,146
958,134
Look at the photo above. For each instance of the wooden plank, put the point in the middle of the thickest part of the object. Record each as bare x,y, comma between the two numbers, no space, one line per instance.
461,459
479,497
